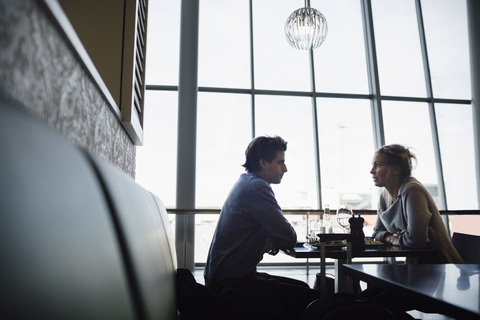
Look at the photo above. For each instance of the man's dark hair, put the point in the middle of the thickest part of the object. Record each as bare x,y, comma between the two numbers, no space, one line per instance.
265,148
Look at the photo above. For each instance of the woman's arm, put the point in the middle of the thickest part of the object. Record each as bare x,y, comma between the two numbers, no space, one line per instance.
392,238
379,230
417,215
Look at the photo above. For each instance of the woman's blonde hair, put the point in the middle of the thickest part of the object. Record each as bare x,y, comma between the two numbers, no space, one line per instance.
396,155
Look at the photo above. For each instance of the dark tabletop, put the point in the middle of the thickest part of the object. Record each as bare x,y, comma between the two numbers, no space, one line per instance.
455,288
303,251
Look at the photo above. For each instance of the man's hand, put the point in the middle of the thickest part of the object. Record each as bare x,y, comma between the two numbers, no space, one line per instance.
269,247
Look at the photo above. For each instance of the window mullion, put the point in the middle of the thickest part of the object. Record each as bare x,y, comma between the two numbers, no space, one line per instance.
373,78
252,70
431,107
316,146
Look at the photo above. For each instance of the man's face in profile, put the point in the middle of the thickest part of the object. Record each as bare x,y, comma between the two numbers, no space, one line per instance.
273,171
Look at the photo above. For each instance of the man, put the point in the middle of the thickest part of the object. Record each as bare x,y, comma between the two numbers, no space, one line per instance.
251,223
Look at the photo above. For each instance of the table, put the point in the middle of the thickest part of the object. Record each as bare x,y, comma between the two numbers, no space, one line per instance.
452,288
340,256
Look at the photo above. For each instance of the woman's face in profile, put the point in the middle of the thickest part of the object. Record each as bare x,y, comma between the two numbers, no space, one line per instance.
381,172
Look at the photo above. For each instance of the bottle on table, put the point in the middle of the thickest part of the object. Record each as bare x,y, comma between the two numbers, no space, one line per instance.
327,221
321,223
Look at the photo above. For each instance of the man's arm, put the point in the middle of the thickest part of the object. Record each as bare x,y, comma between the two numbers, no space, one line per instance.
270,247
271,217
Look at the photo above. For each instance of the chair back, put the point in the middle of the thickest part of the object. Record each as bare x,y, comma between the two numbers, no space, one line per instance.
468,246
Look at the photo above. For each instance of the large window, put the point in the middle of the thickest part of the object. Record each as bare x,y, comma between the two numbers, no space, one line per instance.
331,136
388,72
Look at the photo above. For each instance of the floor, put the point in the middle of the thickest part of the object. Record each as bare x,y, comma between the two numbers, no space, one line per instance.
308,276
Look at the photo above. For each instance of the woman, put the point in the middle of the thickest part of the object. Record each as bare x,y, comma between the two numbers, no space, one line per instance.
407,215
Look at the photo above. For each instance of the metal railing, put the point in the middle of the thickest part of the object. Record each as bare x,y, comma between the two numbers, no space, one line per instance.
302,224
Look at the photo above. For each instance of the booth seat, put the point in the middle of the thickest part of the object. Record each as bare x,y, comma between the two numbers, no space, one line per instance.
79,239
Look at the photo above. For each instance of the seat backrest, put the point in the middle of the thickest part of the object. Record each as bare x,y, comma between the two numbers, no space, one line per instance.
468,246
147,237
60,256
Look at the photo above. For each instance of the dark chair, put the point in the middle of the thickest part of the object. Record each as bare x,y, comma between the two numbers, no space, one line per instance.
468,246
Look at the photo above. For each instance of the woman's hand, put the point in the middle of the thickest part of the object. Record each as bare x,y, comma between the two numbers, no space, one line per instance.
269,247
393,239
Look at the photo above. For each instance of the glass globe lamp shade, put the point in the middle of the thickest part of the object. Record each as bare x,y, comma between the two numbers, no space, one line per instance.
306,28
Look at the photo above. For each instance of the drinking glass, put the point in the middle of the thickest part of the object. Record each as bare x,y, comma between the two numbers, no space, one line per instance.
313,230
344,213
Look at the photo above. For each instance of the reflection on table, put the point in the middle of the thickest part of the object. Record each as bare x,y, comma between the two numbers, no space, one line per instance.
302,250
449,288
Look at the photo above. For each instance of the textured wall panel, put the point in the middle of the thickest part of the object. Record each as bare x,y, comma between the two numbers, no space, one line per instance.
41,71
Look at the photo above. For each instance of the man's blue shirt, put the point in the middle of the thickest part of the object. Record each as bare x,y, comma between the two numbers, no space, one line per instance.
248,217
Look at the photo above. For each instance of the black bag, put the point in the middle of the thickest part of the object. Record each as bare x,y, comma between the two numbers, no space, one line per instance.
329,282
196,301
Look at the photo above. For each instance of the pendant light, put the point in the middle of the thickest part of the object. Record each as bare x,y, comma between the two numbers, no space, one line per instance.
306,28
